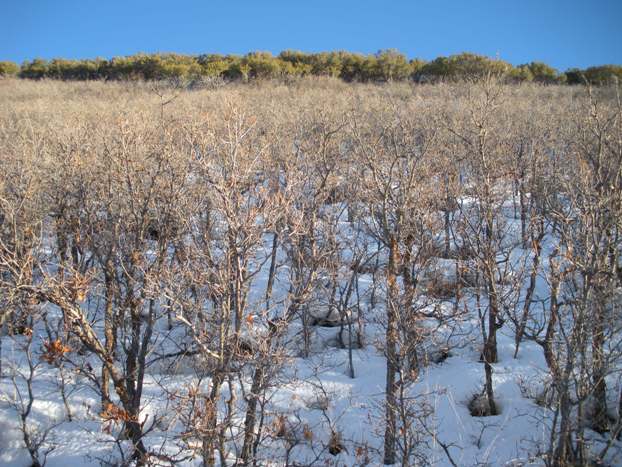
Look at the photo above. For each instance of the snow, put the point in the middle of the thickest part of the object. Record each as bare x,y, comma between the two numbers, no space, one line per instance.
315,392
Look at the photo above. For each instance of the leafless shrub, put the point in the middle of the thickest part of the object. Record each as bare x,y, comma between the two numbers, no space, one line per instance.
146,221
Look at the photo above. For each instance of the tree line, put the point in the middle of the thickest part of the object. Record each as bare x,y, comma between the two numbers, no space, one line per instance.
383,66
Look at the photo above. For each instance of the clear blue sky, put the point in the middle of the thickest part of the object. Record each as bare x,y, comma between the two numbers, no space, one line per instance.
570,33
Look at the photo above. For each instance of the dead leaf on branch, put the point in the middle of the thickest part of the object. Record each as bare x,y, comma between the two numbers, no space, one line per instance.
53,351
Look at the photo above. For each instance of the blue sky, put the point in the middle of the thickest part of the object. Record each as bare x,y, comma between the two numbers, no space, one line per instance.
570,33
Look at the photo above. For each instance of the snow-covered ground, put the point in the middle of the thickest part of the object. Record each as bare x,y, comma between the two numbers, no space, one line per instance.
353,406
315,394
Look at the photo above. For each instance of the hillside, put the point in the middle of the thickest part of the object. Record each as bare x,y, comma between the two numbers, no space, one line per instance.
310,273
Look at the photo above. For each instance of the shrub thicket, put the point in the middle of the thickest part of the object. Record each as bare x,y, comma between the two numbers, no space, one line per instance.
383,66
